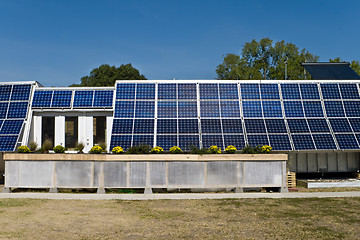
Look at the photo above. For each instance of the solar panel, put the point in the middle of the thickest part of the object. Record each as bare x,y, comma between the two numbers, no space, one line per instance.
20,92
324,141
269,91
211,126
252,109
330,91
167,91
188,126
209,91
230,109
8,143
349,91
352,108
313,109
11,127
255,126
123,141
3,109
83,99
340,125
125,91
145,109
187,91
103,98
355,124
209,109
166,126
298,126
232,126
346,141
331,71
280,142
290,91
187,109
303,142
272,109
122,126
5,92
236,140
167,109
143,139
250,91
275,126
228,91
17,110
318,125
145,91
124,109
293,109
257,140
61,99
334,109
144,126
185,141
309,91
210,140
42,99
166,141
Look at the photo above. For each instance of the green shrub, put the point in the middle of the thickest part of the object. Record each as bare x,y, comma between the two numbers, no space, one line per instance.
59,149
117,150
214,150
102,145
96,150
175,149
79,147
47,145
23,149
195,150
230,149
33,146
141,149
157,150
251,150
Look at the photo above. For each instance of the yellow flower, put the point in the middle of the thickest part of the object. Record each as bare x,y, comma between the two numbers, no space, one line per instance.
157,150
117,150
230,149
175,149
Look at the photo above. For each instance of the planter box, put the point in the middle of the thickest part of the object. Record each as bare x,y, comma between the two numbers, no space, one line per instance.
144,171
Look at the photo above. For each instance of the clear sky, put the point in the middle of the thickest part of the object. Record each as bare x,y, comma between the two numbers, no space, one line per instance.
58,42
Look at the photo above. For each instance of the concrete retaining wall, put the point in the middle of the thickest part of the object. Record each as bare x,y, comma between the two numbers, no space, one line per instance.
144,171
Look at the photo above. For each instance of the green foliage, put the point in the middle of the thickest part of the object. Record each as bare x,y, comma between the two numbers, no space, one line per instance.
59,149
157,150
248,149
175,149
230,149
265,59
106,75
47,145
214,150
33,146
195,150
79,147
96,150
102,145
141,149
23,149
117,150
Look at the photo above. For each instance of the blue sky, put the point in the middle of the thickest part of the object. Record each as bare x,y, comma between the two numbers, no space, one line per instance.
58,42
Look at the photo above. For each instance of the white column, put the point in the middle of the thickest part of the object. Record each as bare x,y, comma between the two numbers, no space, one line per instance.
109,123
85,134
59,131
36,130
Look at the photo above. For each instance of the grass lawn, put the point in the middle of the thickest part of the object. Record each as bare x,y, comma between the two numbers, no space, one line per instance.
327,218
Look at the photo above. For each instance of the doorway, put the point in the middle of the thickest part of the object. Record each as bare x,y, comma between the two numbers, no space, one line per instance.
99,130
48,130
71,132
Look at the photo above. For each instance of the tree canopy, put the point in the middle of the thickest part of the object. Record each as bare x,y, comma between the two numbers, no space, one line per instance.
265,59
106,75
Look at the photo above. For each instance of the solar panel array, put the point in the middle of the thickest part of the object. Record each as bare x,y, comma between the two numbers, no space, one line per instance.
14,102
73,99
286,116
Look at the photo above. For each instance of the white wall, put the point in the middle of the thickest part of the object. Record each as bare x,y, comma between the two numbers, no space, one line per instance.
85,131
59,131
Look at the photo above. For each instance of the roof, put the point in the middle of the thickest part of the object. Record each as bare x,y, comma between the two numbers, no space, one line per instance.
331,71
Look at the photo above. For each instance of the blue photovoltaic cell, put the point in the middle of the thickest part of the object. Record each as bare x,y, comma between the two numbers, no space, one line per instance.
298,126
185,141
167,126
3,109
280,142
124,109
210,140
144,109
61,99
255,126
145,91
290,91
125,91
167,91
11,127
188,126
346,141
8,143
103,98
209,91
20,92
257,140
122,126
42,99
167,109
330,91
230,109
250,91
228,91
17,110
313,109
324,141
166,141
123,141
340,125
272,109
209,109
144,126
236,140
275,125
352,108
83,99
318,125
269,91
252,109
334,109
5,91
293,109
355,124
309,91
210,126
187,109
187,91
143,139
232,126
303,142
349,91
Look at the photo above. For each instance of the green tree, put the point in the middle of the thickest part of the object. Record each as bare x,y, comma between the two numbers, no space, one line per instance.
354,64
106,75
265,59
